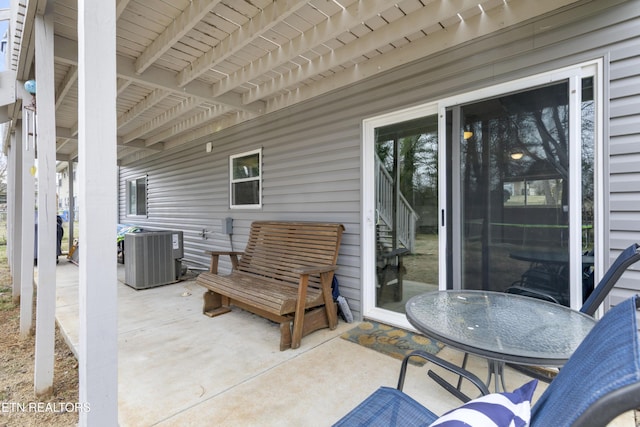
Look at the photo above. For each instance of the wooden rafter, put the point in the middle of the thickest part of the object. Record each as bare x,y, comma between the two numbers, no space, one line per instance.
173,113
193,14
271,16
151,100
326,30
68,82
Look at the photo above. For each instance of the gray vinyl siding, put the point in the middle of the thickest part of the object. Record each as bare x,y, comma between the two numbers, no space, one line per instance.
624,151
311,152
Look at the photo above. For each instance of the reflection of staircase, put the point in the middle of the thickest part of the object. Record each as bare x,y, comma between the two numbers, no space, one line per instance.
402,222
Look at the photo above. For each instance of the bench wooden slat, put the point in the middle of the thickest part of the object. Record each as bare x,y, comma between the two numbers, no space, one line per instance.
277,298
268,275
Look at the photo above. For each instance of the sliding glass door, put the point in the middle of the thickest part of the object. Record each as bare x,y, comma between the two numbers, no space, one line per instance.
521,203
497,189
402,227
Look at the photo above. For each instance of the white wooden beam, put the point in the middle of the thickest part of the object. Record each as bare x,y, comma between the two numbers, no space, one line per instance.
22,40
66,52
67,83
187,124
140,144
7,89
63,143
167,116
47,209
425,17
72,205
192,15
98,337
480,25
149,101
329,29
123,84
121,5
211,128
42,6
10,153
28,223
16,170
271,16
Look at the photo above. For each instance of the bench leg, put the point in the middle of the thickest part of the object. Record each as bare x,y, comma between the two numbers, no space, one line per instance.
285,335
213,304
314,320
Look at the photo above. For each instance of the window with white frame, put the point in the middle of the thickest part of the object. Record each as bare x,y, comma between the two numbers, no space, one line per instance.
137,196
245,179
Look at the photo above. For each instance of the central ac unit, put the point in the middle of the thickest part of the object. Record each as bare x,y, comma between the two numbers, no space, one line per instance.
152,258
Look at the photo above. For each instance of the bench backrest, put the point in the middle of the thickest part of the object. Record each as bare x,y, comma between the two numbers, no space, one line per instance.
275,248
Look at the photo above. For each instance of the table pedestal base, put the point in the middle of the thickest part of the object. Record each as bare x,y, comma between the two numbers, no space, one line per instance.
496,369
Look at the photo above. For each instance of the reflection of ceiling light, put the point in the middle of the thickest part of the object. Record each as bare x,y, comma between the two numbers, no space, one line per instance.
517,155
467,134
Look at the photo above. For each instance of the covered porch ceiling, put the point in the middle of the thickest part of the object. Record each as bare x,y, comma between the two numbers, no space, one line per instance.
190,68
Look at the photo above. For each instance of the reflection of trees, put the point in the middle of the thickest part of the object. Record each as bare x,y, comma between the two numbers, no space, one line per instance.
534,123
588,156
554,138
417,164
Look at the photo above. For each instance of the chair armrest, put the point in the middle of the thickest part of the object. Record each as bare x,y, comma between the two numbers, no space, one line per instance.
473,379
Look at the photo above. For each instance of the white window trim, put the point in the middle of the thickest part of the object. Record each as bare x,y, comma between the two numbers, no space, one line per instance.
146,196
258,178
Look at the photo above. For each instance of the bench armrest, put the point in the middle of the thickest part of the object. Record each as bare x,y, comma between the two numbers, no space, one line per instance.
213,266
218,253
316,269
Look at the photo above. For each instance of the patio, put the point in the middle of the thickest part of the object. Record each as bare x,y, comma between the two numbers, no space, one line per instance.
179,367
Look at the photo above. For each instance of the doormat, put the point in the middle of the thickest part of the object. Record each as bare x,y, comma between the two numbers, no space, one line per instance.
391,341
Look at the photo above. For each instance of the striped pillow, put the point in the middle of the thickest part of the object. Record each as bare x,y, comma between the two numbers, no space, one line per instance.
493,410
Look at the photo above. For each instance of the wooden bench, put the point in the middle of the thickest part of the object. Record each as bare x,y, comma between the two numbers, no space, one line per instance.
284,274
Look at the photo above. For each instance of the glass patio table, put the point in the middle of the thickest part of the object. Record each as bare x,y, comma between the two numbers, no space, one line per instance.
501,327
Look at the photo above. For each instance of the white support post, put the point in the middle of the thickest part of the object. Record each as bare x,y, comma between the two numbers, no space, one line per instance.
47,209
11,182
71,205
28,221
97,164
15,205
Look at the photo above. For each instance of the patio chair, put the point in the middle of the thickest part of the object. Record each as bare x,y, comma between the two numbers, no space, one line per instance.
600,381
629,256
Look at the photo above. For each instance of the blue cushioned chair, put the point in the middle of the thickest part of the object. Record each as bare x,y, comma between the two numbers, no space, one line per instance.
629,256
600,381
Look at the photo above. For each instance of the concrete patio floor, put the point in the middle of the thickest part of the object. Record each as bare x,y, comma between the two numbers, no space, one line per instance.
178,367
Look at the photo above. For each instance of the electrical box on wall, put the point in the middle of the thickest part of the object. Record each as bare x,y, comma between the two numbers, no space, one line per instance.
227,226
